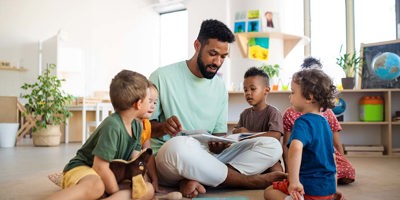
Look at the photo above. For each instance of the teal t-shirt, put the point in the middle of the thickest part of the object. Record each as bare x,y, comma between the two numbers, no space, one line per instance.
109,141
199,103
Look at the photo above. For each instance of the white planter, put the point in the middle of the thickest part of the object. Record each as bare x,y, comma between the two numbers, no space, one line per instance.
8,134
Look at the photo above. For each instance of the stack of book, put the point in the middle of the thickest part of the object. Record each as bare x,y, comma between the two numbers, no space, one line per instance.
396,151
367,150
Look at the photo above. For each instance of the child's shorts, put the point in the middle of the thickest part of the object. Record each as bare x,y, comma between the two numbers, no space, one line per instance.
284,185
73,176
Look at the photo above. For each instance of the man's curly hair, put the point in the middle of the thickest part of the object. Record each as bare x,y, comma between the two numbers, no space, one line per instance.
214,29
318,84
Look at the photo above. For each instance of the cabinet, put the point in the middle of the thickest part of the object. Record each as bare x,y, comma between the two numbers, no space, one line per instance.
355,132
289,41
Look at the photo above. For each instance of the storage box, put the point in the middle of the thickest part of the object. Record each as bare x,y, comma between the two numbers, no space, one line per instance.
371,108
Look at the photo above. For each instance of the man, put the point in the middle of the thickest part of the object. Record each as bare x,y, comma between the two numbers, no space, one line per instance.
191,97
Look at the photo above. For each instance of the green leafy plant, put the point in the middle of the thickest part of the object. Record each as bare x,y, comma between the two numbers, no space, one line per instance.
271,70
46,101
349,63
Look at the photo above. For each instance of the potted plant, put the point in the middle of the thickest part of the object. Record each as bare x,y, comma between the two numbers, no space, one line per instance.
46,104
349,63
273,74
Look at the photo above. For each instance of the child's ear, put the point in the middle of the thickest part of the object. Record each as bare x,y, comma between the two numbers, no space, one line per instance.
267,89
137,105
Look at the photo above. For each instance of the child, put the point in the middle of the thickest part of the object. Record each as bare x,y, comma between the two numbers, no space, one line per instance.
87,175
345,170
261,117
311,155
146,133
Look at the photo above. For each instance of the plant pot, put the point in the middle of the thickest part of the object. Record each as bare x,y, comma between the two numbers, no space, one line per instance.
348,83
47,137
8,134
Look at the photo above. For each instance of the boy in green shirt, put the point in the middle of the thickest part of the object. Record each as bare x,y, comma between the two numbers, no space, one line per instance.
88,175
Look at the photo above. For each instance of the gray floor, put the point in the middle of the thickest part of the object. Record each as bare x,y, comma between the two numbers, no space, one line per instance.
24,171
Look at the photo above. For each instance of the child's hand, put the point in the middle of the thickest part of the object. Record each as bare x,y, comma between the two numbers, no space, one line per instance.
296,190
218,147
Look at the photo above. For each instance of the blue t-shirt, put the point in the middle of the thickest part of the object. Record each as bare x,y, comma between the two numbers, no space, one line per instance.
317,170
199,103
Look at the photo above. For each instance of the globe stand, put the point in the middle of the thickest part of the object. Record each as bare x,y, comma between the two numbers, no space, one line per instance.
340,117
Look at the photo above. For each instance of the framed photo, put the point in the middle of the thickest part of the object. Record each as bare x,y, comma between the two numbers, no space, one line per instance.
240,27
380,64
253,26
270,21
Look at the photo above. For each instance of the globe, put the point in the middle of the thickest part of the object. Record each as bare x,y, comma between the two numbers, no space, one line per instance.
340,106
386,66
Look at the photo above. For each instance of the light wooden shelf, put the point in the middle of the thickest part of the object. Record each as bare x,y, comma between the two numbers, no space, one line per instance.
364,123
13,69
272,91
396,123
289,41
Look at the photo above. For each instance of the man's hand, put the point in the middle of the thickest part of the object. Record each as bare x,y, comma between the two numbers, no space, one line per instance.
172,126
218,147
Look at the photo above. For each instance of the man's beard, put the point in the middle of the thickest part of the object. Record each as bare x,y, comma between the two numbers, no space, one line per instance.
203,68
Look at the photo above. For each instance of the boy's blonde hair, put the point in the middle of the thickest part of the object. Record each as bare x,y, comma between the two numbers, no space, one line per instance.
127,88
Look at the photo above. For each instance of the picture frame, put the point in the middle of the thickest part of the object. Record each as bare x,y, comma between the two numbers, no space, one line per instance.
253,26
380,64
240,27
270,21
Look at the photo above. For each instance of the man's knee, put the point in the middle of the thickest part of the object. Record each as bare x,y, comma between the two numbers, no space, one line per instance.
272,146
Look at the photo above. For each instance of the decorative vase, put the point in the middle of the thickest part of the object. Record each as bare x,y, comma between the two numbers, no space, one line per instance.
47,137
348,83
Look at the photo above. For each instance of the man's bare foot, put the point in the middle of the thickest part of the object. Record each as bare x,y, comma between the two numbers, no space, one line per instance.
262,181
191,188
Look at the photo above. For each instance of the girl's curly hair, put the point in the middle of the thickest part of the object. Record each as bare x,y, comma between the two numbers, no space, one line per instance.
318,84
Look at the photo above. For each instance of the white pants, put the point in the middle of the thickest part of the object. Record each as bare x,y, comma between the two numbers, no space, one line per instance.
184,157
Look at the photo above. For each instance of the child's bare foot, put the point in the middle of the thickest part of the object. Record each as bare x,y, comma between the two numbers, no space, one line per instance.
191,188
339,196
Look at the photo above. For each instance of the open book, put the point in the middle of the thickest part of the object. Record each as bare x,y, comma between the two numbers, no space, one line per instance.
205,137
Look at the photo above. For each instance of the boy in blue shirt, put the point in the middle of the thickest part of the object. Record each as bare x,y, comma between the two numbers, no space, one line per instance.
312,170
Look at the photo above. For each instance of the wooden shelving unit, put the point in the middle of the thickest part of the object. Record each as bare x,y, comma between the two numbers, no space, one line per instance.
13,69
289,41
355,132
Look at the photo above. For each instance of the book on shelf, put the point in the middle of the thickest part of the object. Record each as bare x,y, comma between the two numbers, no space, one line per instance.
364,153
377,148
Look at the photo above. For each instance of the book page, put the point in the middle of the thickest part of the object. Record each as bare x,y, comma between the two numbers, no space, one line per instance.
205,138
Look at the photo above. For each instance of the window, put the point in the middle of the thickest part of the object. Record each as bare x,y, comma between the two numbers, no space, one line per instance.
328,34
173,37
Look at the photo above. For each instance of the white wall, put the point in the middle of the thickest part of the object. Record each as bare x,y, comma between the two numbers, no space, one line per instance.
113,35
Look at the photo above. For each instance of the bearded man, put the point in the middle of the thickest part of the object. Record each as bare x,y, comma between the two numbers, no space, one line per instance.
192,97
